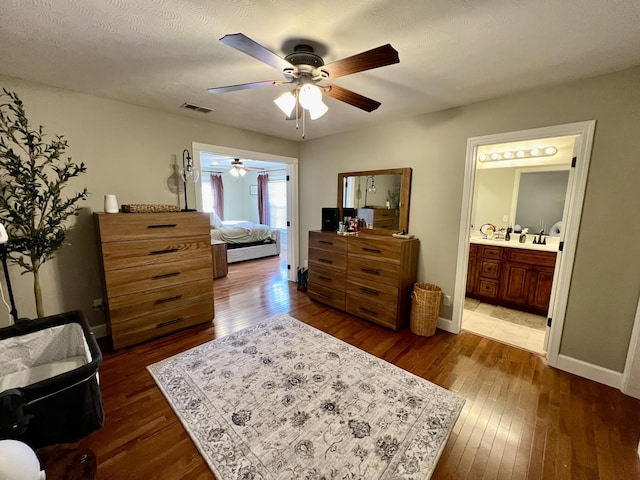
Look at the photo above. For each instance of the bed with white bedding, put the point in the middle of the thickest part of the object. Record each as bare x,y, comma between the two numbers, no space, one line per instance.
246,240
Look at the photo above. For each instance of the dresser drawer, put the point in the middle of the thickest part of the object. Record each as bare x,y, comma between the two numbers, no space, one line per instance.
126,307
327,258
328,241
377,271
327,277
148,277
376,312
117,255
386,249
327,295
146,226
373,291
161,323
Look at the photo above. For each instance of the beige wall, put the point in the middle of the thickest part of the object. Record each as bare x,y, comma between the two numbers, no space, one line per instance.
606,280
129,151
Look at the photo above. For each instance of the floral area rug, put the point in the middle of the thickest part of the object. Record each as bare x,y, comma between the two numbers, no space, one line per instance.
283,400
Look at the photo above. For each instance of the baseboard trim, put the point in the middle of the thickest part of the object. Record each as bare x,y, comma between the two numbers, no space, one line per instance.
590,371
446,325
100,330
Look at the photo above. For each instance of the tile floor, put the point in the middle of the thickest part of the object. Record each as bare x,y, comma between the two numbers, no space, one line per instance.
480,321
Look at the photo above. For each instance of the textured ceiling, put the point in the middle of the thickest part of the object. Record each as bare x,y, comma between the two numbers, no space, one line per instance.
163,53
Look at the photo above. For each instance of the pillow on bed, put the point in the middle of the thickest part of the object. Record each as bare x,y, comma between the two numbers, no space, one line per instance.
215,220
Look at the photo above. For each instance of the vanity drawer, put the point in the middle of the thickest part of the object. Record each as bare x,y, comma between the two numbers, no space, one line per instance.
387,249
328,241
488,288
373,291
490,252
376,312
149,277
126,307
327,258
327,277
327,295
146,226
143,328
533,257
377,271
117,255
489,269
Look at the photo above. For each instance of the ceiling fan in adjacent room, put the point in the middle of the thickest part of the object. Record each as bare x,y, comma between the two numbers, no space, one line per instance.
238,168
307,73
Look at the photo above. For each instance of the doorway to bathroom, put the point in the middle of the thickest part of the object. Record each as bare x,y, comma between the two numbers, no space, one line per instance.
515,288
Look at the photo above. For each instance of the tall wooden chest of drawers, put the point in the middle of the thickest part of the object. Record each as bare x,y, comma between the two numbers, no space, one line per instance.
370,276
157,273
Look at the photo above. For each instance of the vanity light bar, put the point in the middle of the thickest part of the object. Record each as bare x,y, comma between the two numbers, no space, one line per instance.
515,154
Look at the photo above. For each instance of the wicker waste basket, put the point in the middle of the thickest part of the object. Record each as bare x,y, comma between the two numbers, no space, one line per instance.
425,306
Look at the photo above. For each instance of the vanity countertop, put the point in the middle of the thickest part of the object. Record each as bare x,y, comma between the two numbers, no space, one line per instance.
551,246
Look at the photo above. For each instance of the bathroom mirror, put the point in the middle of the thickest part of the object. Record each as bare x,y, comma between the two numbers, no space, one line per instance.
382,195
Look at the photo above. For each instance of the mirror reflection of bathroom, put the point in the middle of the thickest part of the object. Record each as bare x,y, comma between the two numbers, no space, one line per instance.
517,214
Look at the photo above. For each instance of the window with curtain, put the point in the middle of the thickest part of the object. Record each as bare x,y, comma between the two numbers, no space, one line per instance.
263,199
278,201
212,201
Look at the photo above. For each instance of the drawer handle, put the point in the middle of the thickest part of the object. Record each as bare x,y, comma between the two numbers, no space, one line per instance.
371,250
170,322
169,299
160,252
165,225
324,260
372,271
369,312
326,279
369,291
325,242
165,275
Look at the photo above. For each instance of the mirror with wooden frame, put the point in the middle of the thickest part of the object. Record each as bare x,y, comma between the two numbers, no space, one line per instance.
381,197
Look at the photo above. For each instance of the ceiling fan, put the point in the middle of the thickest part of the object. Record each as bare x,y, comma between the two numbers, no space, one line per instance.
237,168
307,73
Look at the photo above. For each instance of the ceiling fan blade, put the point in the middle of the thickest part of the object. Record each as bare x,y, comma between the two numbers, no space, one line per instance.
352,98
246,86
243,43
377,57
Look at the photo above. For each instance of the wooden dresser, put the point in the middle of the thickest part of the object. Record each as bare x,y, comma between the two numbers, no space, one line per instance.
157,273
370,276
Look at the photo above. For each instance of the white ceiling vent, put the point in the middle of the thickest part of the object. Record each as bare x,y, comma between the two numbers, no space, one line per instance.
196,108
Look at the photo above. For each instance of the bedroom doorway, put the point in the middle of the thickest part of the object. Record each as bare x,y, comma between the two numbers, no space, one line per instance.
240,192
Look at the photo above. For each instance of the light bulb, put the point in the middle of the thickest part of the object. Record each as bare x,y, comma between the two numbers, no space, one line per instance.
234,172
310,95
286,102
550,151
317,110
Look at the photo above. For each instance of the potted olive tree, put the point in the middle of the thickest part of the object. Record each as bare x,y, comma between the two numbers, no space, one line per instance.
32,177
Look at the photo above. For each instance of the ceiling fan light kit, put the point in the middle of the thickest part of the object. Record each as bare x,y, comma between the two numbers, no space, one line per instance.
237,168
305,70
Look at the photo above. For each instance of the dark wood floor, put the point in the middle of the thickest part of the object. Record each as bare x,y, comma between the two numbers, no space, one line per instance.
522,419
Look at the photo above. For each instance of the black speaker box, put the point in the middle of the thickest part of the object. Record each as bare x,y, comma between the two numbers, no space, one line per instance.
330,219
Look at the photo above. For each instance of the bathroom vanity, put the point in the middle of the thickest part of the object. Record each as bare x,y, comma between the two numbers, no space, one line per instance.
512,274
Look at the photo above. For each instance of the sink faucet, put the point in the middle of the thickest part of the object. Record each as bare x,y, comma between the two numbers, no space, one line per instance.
540,240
